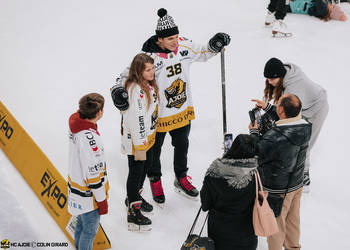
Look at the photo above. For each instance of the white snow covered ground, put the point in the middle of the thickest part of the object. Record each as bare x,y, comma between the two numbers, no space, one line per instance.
53,52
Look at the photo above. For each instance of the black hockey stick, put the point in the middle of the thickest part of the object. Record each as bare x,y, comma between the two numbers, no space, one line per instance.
227,136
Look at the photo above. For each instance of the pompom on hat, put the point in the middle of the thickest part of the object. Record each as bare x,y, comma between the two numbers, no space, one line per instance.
165,26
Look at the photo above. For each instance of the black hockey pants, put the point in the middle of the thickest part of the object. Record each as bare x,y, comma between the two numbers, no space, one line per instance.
179,140
279,7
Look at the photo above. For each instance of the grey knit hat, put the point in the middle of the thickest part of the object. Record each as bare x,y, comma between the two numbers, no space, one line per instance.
165,26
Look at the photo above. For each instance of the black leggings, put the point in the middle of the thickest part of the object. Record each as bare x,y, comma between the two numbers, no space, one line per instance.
137,175
279,7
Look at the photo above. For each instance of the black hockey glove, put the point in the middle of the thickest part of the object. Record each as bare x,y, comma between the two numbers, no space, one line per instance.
218,42
120,97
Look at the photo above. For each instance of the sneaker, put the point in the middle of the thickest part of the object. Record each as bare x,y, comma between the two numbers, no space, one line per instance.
269,19
184,185
279,28
157,189
145,206
136,220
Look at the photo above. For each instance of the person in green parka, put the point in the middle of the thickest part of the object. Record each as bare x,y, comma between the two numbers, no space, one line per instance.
321,9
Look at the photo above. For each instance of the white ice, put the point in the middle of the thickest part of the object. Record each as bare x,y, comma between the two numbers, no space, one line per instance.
53,52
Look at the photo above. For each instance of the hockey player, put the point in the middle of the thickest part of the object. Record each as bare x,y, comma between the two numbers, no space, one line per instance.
139,123
87,176
173,56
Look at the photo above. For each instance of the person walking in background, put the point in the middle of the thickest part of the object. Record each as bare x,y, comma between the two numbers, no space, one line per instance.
289,78
276,12
228,192
87,175
139,123
281,156
173,56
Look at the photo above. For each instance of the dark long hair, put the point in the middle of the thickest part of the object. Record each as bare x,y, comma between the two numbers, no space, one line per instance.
243,147
271,92
137,67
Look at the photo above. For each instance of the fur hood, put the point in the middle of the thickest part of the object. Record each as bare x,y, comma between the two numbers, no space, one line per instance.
237,172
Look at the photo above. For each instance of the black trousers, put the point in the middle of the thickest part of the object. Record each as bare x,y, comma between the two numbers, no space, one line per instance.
279,7
179,140
137,175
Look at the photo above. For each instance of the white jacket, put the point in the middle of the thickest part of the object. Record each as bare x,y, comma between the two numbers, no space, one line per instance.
172,77
87,176
139,123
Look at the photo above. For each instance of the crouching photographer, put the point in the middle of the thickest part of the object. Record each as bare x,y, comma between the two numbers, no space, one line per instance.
282,152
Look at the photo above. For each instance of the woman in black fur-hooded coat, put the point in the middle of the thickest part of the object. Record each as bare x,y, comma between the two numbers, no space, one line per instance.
228,192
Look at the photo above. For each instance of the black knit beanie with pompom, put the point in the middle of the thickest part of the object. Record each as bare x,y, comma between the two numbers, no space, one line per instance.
165,26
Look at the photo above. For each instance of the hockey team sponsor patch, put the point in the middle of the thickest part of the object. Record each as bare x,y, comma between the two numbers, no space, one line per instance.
92,141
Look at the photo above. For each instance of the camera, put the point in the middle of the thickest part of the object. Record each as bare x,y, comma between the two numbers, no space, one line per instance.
265,121
255,115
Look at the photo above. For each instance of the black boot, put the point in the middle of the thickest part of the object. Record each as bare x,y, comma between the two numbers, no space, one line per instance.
136,220
145,206
184,185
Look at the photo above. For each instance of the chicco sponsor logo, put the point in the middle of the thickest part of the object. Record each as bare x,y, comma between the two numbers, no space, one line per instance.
176,120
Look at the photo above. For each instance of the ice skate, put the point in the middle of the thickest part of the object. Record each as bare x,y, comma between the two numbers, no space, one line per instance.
145,206
157,191
184,187
136,220
269,19
279,29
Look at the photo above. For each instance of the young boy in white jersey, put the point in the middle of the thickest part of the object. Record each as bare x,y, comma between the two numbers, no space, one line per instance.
87,176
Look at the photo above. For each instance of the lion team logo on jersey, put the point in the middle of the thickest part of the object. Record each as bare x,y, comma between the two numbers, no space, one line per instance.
176,94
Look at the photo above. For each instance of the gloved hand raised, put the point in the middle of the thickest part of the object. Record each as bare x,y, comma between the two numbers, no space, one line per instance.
218,42
120,97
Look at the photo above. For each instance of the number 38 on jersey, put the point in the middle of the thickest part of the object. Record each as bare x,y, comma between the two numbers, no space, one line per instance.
174,70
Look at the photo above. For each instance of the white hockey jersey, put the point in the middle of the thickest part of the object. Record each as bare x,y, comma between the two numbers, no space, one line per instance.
139,123
172,77
87,176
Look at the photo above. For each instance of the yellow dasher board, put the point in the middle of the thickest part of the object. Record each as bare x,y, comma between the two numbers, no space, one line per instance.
41,175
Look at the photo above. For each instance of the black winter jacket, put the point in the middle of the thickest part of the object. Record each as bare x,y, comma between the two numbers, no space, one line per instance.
228,192
282,153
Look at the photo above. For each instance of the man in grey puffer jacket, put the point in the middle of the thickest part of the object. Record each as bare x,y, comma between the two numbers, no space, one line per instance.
289,78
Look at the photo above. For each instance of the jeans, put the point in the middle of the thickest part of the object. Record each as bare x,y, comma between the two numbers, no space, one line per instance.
179,140
86,230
